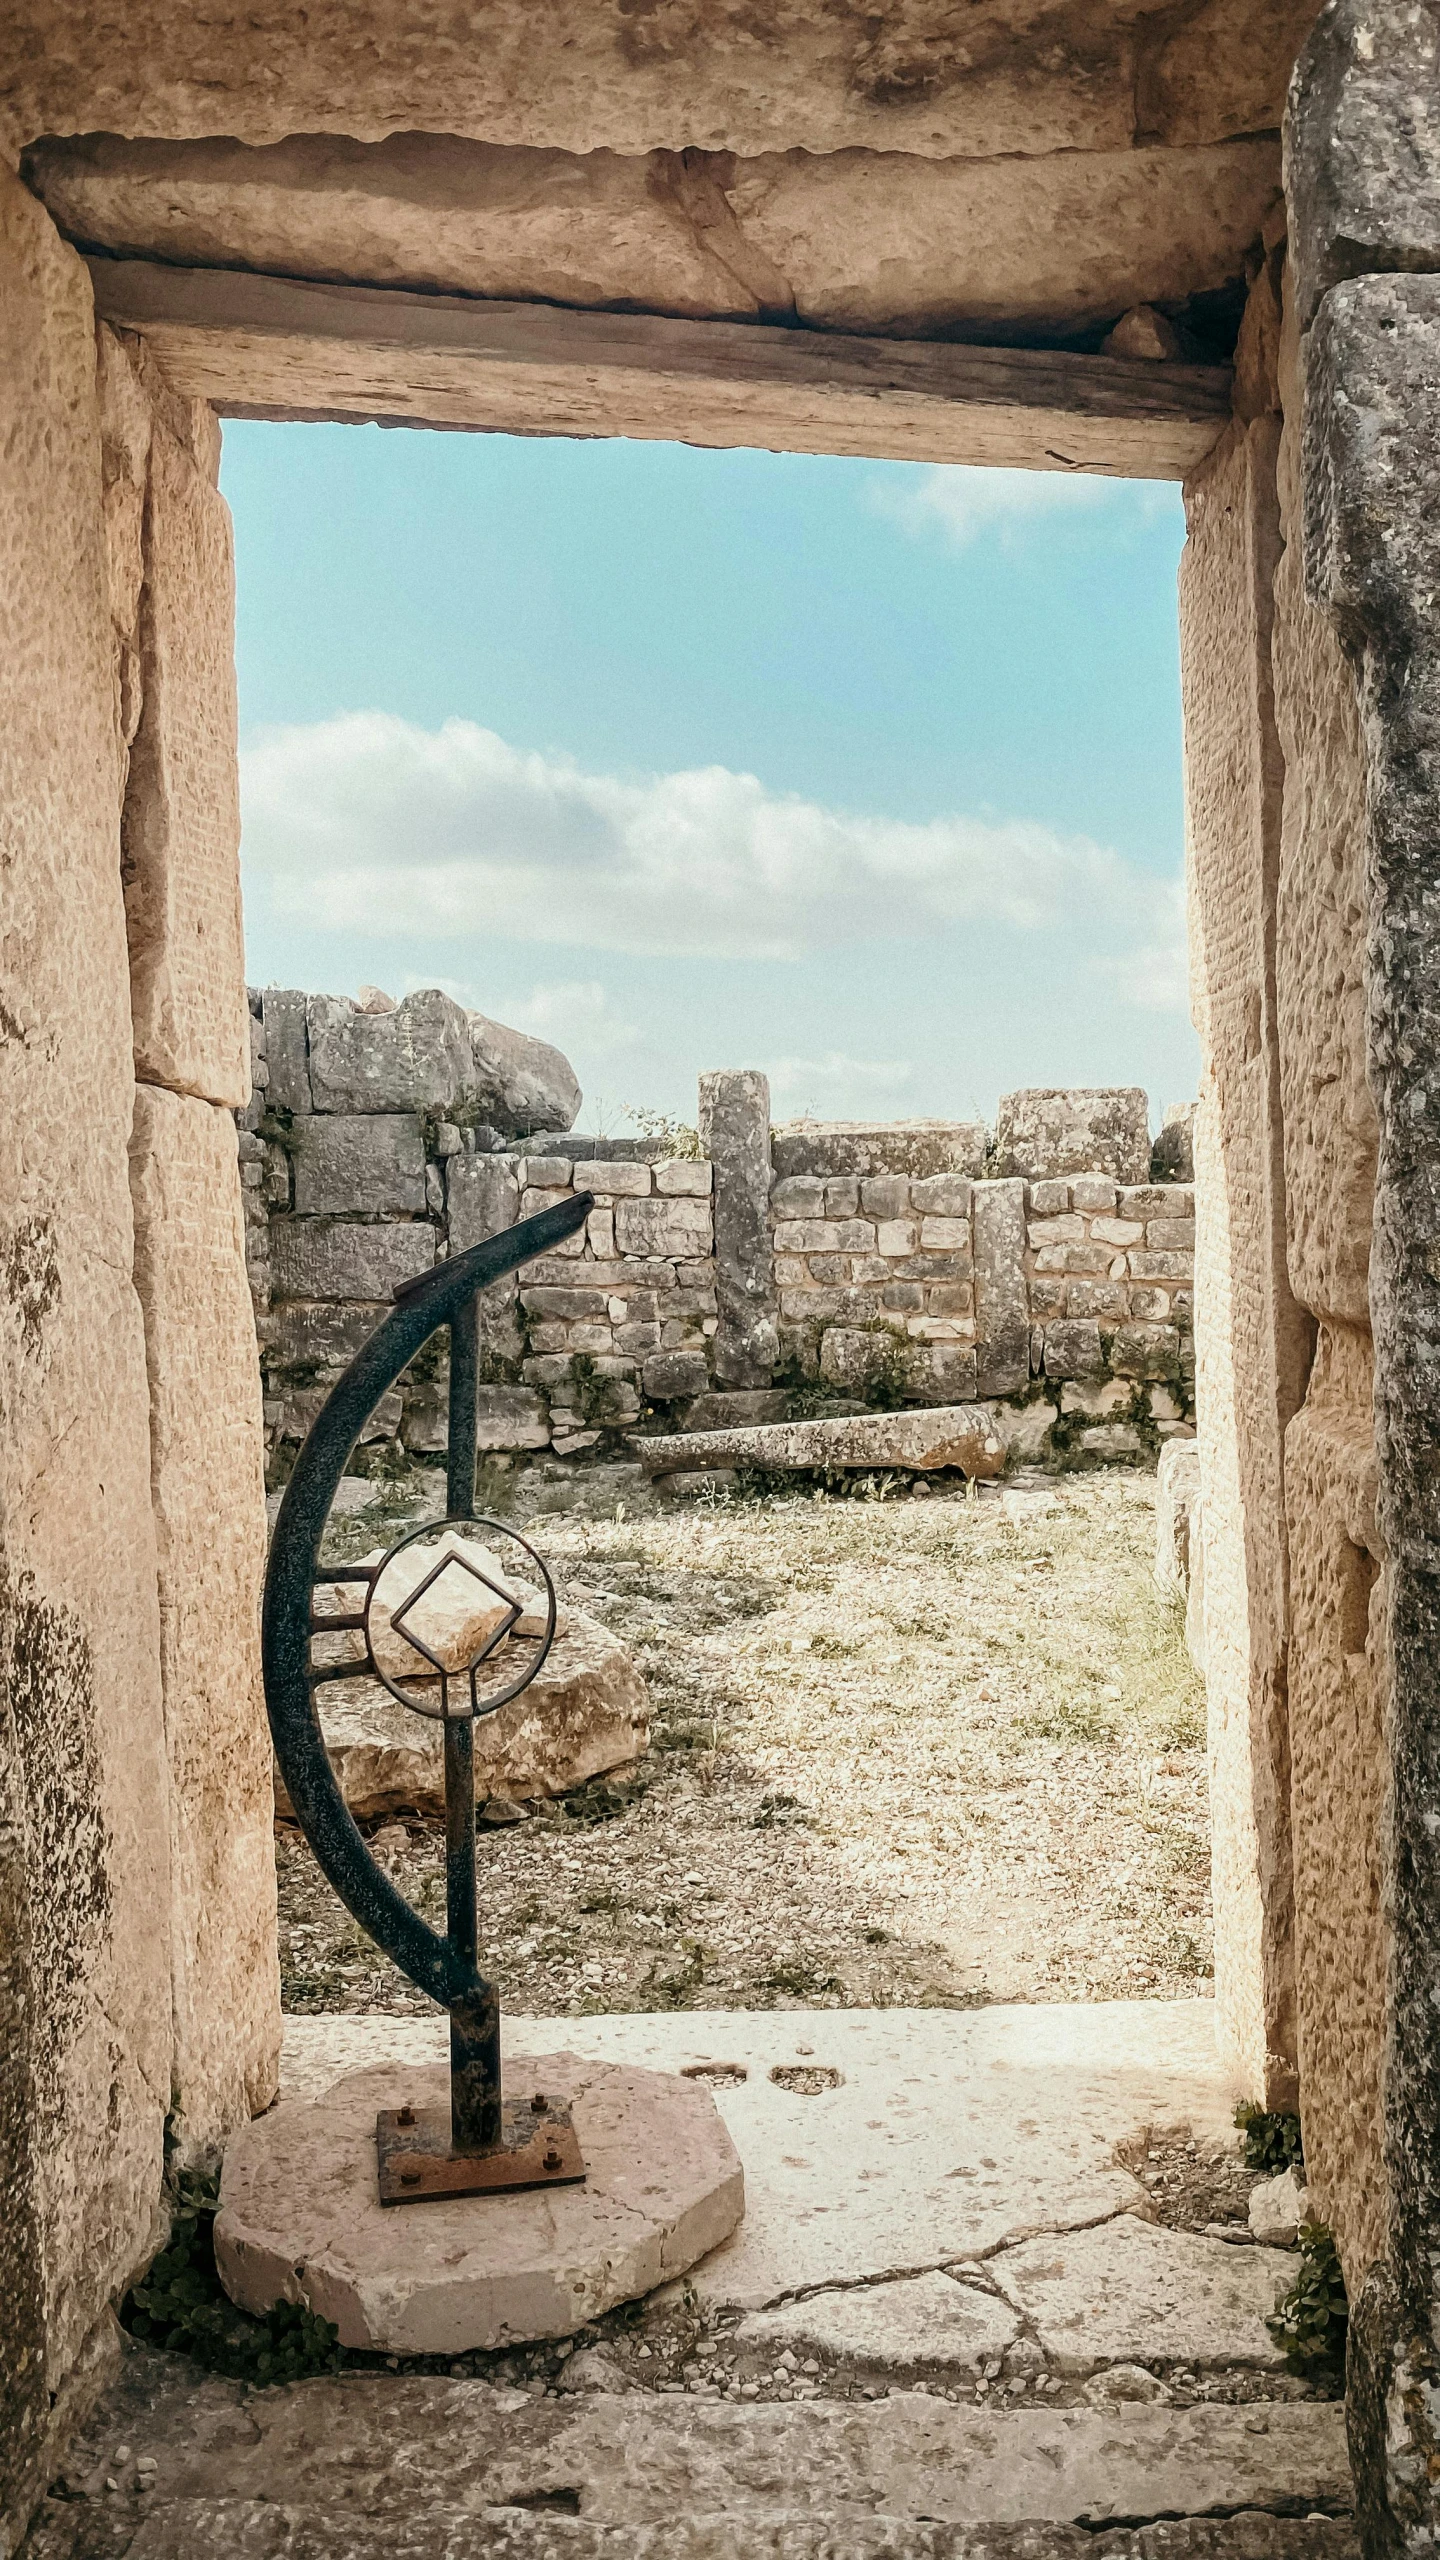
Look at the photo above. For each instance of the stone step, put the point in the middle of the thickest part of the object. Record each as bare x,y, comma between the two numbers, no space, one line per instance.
276,2529
969,1436
415,2455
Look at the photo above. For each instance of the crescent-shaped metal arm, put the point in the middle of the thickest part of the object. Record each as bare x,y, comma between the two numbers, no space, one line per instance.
439,1966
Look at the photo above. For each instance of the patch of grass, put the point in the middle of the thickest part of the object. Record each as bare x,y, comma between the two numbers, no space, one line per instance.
1310,2320
779,1812
181,2304
798,1978
676,1989
1272,2142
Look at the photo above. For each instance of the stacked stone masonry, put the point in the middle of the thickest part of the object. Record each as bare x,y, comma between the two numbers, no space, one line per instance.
899,1271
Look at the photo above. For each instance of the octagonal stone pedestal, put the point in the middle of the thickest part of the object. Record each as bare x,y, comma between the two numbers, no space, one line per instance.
301,2221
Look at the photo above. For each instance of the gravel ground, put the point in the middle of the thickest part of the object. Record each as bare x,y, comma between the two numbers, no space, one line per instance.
914,1751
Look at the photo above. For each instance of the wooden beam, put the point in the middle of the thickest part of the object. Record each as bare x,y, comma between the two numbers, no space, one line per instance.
261,346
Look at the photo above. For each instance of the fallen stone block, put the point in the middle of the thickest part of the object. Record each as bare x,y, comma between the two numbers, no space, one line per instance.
522,1084
586,1711
1278,2206
966,1436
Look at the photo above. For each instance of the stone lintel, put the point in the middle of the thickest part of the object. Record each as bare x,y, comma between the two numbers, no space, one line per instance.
273,347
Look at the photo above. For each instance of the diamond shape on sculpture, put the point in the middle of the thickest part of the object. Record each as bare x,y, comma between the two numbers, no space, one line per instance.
493,1634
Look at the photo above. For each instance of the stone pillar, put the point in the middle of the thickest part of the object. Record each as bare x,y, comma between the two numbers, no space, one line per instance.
1337,1785
1363,178
735,1135
482,1198
85,2017
1002,1297
1252,1343
190,1018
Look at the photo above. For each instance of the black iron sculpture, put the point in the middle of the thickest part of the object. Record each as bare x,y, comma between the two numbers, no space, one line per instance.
487,2143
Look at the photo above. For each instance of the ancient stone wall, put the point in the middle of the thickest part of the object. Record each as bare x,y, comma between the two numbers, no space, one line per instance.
1359,494
138,1976
879,1264
85,2038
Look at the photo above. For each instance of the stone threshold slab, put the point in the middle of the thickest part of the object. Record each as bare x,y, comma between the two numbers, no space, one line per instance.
412,2451
881,2143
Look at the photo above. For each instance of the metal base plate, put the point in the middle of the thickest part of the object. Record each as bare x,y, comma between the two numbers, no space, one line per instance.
538,2147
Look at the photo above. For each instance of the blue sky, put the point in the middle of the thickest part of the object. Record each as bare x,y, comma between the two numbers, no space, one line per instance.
865,773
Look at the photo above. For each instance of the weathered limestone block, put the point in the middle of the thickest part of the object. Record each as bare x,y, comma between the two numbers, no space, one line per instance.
482,1199
1371,428
680,1227
206,1469
312,1335
357,1165
1364,149
282,1012
417,1058
965,1436
1330,1128
337,1258
585,1711
735,1140
521,1084
1252,1340
857,1359
511,1418
1045,1133
918,1147
670,1375
578,83
85,2017
181,823
126,420
1074,1350
615,1181
1339,1789
1177,1495
1172,1158
1002,1312
681,1177
1145,1351
847,241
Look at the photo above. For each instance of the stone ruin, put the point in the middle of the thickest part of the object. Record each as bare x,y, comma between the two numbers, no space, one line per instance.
1047,1264
1196,245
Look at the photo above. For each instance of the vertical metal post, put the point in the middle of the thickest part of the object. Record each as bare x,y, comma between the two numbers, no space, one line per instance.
475,2112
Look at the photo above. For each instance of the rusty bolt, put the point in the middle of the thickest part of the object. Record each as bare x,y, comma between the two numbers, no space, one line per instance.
406,2115
552,2159
409,2177
539,2103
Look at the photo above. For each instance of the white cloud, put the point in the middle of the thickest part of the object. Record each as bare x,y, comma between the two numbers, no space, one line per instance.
370,824
962,500
572,1011
791,1076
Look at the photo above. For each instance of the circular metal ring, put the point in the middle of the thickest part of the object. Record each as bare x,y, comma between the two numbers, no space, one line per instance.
472,1707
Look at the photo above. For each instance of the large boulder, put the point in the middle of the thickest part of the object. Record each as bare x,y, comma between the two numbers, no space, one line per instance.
520,1084
586,1711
